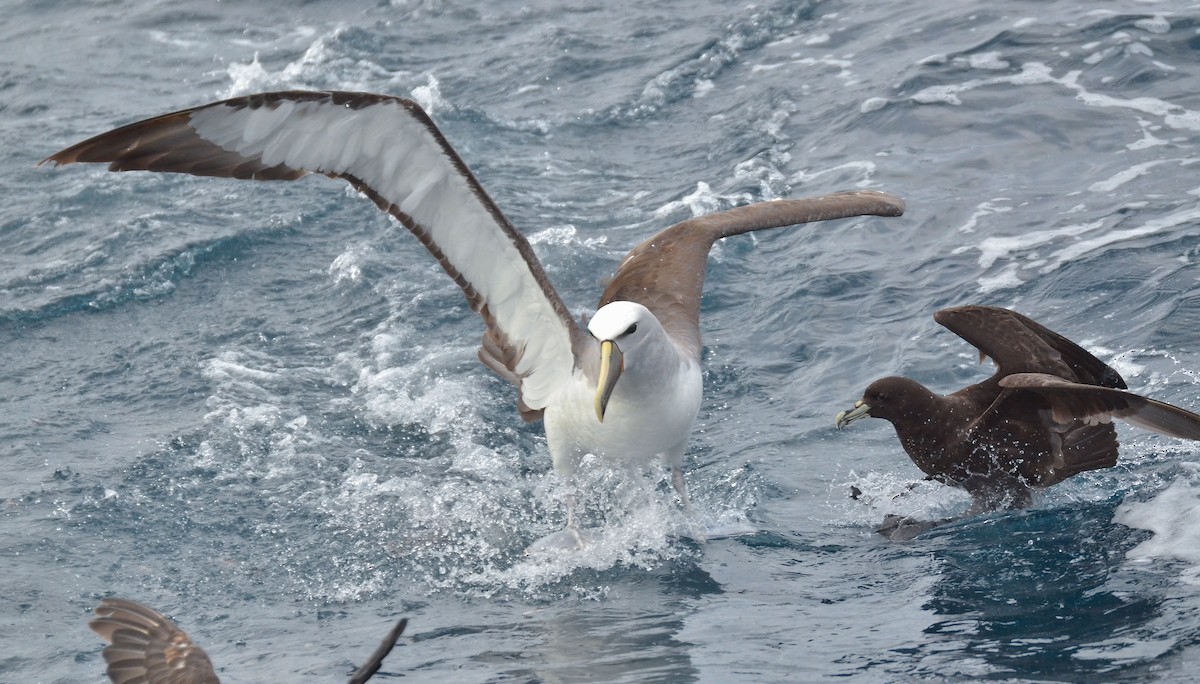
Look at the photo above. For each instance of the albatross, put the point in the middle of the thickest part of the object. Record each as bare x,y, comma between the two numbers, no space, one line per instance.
623,385
1043,416
145,647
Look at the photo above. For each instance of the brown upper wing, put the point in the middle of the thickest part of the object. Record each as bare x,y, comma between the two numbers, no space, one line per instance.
1020,345
147,648
666,272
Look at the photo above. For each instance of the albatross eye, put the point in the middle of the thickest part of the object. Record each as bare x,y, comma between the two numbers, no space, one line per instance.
630,330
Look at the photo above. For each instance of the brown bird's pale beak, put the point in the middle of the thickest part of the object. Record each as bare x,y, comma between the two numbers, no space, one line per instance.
612,363
860,410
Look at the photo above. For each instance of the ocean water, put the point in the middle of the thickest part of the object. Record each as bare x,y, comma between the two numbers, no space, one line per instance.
257,407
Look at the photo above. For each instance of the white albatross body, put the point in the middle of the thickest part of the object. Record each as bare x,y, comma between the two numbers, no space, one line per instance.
627,387
652,408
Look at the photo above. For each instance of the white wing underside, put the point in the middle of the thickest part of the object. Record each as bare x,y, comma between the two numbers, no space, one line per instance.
405,161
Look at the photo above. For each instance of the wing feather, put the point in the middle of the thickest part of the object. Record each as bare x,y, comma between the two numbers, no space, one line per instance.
1093,404
144,646
666,272
391,151
1019,344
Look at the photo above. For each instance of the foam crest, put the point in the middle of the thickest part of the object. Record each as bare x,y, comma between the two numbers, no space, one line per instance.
1046,251
1031,73
1137,170
1038,73
863,170
429,96
252,431
1173,516
348,266
329,62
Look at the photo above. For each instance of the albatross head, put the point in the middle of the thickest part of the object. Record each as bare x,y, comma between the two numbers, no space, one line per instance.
620,327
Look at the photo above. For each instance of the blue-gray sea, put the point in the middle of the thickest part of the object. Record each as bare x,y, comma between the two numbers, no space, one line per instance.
256,406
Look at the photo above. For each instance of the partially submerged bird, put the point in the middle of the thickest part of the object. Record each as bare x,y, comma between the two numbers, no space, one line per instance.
144,647
1044,415
625,385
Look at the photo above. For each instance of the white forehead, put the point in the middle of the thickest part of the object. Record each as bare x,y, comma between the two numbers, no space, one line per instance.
613,319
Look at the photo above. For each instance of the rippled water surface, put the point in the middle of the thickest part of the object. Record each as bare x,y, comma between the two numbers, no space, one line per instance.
257,406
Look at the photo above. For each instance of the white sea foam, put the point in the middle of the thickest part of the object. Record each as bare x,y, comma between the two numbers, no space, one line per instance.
321,66
1123,362
1124,176
872,104
429,96
1156,24
1006,278
764,171
1115,238
417,393
347,266
1037,73
844,67
993,249
984,209
884,493
988,61
865,170
1173,515
1069,243
702,201
557,235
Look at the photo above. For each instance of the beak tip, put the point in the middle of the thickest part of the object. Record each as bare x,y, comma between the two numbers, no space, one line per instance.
612,364
844,418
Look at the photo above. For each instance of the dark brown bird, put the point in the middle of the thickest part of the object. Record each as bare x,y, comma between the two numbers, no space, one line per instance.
147,648
1043,416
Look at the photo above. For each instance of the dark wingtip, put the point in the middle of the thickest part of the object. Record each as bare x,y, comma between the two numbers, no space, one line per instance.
373,663
52,159
893,205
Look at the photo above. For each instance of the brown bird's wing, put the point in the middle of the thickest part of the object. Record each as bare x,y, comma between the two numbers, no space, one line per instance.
1088,403
373,663
666,272
147,648
1024,437
1020,345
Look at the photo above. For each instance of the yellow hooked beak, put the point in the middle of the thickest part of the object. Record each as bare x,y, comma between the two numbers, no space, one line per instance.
860,410
612,363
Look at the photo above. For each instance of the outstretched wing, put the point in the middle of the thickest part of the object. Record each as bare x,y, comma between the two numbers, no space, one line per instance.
144,646
666,273
390,150
1091,404
1019,344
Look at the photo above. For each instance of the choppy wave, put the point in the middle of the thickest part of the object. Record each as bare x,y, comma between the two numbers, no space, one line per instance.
259,406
